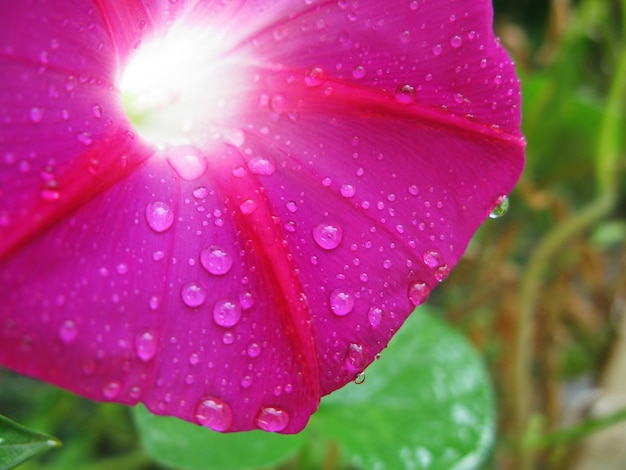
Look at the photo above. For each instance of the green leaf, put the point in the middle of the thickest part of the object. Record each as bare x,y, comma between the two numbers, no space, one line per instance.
426,404
184,445
18,443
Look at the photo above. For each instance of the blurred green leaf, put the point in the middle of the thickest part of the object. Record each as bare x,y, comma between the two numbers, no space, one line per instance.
427,404
185,445
18,443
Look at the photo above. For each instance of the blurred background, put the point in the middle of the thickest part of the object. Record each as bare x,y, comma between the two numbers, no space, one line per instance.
541,293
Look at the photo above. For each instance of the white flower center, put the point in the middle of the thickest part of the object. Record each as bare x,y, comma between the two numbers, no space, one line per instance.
182,88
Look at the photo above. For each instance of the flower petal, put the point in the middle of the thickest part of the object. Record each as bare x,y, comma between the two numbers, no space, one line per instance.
233,286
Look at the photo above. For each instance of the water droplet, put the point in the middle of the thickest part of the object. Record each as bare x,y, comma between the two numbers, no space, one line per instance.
405,94
355,359
328,236
272,419
214,414
216,260
254,350
347,190
159,216
226,313
456,41
261,166
234,137
84,138
418,293
341,302
358,72
49,195
431,258
68,331
315,76
375,316
96,111
246,381
146,345
200,193
228,338
193,294
248,206
111,390
441,272
35,114
194,359
500,207
437,50
360,378
188,162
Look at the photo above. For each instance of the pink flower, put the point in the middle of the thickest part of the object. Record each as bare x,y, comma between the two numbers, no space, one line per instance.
299,175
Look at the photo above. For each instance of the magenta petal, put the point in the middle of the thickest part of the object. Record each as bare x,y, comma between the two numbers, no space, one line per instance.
234,286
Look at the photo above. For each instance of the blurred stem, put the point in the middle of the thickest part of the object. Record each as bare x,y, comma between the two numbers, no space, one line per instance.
607,174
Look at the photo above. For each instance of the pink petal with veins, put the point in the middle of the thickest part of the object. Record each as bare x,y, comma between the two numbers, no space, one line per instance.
234,282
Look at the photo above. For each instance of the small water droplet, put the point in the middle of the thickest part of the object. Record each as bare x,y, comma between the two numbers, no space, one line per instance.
194,359
146,345
226,313
84,138
254,350
272,419
347,190
431,258
437,50
188,162
214,414
456,41
500,207
50,195
248,206
111,390
360,378
375,316
341,302
261,166
159,216
441,272
35,114
68,331
193,294
418,293
315,76
246,381
216,260
358,72
200,193
228,338
96,111
328,236
355,358
405,94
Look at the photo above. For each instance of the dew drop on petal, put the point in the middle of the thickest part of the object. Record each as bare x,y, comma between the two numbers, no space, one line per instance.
441,272
341,302
254,350
360,378
146,345
84,138
111,390
246,300
315,76
358,72
193,294
35,114
159,216
214,414
431,258
437,50
248,206
355,359
405,94
500,207
347,190
187,161
200,193
375,316
272,419
456,41
261,166
418,293
68,331
226,313
328,236
216,260
228,338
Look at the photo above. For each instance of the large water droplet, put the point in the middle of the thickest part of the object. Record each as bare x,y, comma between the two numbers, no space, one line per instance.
418,293
347,190
431,258
193,294
500,207
248,206
159,216
214,414
405,94
355,359
188,161
261,166
315,76
341,302
146,345
272,419
328,236
226,313
216,260
68,331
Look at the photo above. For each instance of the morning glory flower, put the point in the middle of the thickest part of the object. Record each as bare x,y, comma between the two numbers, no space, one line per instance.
225,209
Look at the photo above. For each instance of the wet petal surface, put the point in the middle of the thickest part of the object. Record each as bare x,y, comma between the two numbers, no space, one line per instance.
234,279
